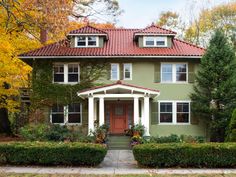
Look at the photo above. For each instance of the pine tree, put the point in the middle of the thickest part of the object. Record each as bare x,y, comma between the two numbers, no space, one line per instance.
214,96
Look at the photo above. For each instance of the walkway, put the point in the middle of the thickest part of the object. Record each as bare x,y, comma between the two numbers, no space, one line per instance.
115,162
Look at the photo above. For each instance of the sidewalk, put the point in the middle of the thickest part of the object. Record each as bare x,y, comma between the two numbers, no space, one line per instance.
115,162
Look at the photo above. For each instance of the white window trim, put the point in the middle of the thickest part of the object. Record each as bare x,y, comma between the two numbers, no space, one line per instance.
174,112
86,42
53,73
131,71
155,40
174,73
118,71
66,73
66,113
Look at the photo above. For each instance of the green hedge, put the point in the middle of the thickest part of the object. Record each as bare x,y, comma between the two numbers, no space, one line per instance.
210,155
51,153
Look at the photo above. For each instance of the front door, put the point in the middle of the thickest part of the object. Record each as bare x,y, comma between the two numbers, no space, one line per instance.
118,118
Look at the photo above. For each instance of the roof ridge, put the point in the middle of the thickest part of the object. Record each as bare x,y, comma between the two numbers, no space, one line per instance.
158,27
188,43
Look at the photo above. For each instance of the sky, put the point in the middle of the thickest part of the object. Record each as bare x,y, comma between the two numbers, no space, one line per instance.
141,13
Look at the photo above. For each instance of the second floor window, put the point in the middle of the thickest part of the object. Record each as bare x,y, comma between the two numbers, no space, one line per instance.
174,73
66,73
127,71
115,71
58,73
86,41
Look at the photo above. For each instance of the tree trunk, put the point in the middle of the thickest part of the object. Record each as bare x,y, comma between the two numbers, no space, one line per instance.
4,122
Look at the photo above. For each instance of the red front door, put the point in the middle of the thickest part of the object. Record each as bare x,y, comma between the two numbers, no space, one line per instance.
118,118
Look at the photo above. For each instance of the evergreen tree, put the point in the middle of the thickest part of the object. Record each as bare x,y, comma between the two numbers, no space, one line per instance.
214,96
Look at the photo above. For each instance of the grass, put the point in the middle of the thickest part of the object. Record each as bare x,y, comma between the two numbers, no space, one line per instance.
82,175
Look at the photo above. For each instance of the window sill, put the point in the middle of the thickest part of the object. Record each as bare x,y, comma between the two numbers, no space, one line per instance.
70,124
174,123
66,83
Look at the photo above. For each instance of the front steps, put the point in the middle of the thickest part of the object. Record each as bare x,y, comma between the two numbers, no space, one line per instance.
118,142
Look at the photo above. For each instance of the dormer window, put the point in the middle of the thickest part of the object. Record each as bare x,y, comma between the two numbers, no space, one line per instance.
155,41
86,41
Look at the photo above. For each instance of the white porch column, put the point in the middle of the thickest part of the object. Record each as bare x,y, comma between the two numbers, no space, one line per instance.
142,112
90,114
136,110
146,115
101,111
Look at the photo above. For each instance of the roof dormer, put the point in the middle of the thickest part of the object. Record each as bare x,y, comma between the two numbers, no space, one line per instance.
87,37
154,36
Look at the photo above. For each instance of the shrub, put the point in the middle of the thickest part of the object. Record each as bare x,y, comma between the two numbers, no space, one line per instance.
42,132
34,132
100,134
210,155
45,153
166,139
232,128
58,133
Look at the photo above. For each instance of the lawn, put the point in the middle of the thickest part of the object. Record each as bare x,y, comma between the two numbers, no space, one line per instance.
82,175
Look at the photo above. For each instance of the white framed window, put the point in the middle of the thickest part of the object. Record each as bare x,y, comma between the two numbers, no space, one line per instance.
127,71
166,112
58,73
70,114
86,41
115,71
174,72
155,41
174,112
66,73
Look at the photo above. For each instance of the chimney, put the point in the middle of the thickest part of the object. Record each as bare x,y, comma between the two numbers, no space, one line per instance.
43,36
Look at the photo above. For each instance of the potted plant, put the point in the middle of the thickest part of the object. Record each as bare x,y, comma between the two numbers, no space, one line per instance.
138,130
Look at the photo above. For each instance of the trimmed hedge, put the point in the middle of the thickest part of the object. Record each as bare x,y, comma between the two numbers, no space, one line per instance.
210,155
51,153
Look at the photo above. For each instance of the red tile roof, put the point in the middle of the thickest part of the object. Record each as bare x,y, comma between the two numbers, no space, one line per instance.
87,30
153,29
121,43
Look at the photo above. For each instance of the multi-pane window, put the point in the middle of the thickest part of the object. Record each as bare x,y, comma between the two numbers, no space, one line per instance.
58,73
74,113
81,41
182,112
57,114
149,41
174,112
92,41
155,41
172,73
127,71
166,112
86,41
73,72
167,72
181,72
71,114
66,73
115,71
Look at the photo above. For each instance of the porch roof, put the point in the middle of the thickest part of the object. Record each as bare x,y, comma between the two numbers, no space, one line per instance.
118,85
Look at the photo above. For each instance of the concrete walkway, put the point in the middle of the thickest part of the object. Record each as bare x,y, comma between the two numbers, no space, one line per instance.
115,162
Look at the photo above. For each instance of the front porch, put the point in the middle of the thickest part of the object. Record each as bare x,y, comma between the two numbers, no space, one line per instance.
119,106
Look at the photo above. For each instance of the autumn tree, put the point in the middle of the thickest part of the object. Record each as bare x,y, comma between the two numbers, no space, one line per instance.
222,16
214,95
23,23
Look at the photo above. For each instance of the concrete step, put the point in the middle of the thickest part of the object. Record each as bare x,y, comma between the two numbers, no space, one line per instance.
118,142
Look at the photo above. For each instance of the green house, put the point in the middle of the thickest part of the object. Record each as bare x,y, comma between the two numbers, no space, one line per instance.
150,78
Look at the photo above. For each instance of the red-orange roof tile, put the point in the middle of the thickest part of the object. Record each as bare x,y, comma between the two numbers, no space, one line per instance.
121,43
153,29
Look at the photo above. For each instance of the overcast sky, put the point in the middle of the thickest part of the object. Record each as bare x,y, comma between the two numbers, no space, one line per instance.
140,13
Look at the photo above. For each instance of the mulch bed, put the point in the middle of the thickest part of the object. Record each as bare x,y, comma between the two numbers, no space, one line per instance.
8,138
